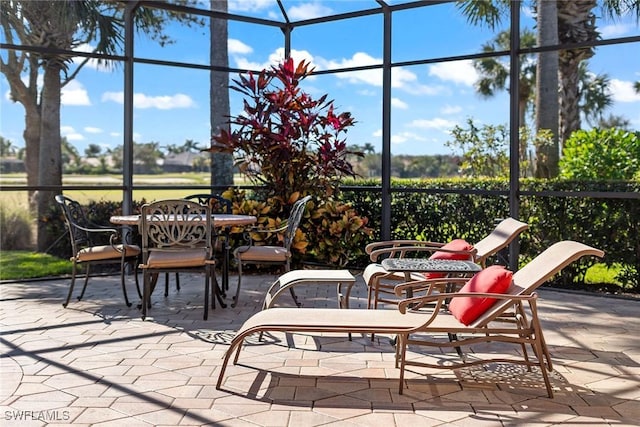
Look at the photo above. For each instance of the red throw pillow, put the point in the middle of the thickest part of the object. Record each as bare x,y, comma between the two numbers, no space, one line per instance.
454,245
494,279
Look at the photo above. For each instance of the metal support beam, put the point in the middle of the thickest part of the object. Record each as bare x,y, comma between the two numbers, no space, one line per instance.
385,229
514,134
127,146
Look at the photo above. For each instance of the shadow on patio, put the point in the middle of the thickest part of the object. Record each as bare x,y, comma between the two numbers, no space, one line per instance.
97,362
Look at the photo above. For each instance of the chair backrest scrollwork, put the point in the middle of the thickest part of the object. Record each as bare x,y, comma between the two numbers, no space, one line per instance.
175,224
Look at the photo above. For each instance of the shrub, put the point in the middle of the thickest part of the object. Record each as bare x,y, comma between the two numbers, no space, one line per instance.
15,229
601,154
331,232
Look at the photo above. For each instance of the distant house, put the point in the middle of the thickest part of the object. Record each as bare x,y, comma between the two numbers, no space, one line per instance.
11,165
182,162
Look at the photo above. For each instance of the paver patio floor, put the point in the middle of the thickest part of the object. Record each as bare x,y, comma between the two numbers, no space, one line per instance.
96,363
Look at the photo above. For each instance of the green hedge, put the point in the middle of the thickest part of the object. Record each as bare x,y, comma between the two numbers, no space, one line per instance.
419,210
608,224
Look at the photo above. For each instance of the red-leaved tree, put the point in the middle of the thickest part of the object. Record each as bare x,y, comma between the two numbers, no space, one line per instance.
285,139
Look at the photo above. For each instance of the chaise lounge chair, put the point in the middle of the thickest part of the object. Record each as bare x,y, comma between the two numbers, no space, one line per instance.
381,283
505,319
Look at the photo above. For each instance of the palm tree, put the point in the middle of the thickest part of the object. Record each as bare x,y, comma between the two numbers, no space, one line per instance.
593,95
576,24
59,26
221,163
494,75
189,146
368,148
547,110
494,72
6,148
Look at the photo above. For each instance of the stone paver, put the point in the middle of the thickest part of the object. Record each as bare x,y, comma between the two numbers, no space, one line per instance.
96,363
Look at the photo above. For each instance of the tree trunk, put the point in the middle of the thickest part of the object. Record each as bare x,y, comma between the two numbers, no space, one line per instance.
31,137
576,23
50,165
221,163
547,156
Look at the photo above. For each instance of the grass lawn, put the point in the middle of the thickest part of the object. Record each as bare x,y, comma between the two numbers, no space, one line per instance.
28,265
19,198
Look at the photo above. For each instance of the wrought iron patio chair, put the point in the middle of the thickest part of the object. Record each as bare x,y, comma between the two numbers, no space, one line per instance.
217,204
176,237
271,254
93,244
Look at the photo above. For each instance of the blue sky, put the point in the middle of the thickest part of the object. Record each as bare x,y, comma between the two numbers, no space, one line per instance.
172,104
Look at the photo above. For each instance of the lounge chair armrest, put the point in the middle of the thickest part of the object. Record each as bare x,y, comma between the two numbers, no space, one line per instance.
390,244
429,285
441,298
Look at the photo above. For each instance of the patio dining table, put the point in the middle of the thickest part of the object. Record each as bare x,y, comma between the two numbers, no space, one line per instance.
219,220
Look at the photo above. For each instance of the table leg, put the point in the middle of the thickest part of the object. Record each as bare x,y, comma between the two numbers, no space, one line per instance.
226,260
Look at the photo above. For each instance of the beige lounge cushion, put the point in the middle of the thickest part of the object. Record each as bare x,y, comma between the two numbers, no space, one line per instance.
183,258
96,253
262,253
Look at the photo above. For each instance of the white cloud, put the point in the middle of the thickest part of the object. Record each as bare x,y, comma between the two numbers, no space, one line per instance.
140,100
249,5
451,109
308,11
237,47
396,102
359,59
105,66
615,30
623,91
461,72
401,78
366,92
70,133
276,58
401,137
74,93
437,123
90,129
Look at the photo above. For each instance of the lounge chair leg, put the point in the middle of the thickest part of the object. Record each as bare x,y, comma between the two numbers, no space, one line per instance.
403,351
545,350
